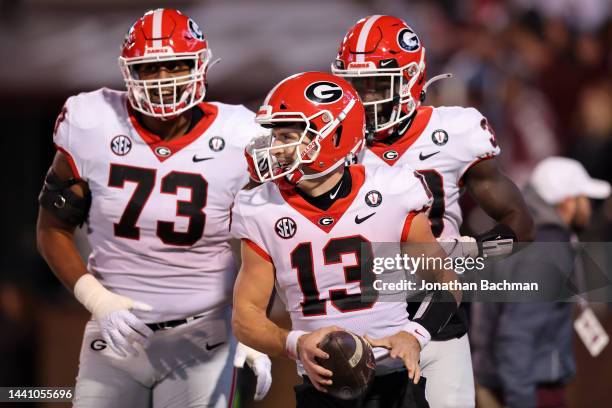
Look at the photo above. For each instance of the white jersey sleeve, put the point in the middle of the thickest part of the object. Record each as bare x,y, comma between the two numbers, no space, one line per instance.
244,126
241,228
241,127
407,186
80,115
477,139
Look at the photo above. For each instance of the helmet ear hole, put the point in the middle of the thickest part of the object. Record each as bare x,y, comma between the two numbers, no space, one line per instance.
337,136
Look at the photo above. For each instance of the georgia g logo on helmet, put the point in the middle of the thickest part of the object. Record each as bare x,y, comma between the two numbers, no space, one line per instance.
408,40
323,92
195,30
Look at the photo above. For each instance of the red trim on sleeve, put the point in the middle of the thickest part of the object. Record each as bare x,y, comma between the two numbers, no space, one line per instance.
472,164
257,249
407,224
73,167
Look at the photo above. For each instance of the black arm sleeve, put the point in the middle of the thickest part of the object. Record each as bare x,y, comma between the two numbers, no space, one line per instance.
57,198
435,311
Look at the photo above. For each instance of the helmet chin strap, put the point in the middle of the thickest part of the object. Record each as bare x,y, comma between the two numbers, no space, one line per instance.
323,173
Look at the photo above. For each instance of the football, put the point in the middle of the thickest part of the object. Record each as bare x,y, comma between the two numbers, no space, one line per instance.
352,362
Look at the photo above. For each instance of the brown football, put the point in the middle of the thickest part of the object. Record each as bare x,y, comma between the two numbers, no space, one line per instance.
351,361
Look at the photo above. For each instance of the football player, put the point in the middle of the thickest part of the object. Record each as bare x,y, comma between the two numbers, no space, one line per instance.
310,233
153,173
451,147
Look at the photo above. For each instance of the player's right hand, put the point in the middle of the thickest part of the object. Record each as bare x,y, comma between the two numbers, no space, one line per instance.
118,326
405,346
308,349
462,246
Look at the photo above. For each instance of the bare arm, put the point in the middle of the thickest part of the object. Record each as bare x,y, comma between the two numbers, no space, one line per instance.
499,197
421,241
252,291
55,238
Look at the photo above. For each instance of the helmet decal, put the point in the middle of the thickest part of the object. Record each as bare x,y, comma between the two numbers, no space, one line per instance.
195,30
323,92
408,40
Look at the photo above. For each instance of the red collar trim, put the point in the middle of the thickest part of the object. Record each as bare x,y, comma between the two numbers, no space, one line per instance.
337,209
382,150
165,149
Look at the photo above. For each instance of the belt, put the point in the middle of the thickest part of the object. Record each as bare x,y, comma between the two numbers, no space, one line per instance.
169,324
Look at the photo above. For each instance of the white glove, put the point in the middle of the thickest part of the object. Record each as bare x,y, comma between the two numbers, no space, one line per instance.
119,327
459,247
260,364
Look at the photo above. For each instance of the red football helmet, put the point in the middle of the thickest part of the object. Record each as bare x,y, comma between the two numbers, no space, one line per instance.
383,51
334,126
165,35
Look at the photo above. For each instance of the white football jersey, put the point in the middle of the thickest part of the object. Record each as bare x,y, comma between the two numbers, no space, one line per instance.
318,255
159,219
442,143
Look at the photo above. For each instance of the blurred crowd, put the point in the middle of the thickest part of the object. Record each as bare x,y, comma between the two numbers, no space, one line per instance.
540,71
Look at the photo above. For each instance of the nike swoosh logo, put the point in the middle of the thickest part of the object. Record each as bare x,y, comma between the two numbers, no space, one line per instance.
214,346
333,195
385,63
360,220
427,156
199,159
419,333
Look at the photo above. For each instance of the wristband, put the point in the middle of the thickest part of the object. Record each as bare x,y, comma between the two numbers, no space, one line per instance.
419,332
291,343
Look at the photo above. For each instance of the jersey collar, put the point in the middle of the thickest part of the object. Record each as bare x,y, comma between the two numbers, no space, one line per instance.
327,219
163,149
385,151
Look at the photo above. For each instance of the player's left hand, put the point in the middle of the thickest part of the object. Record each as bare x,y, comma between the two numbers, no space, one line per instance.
260,364
405,346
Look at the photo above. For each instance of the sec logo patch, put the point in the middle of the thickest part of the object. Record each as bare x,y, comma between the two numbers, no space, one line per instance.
121,145
285,228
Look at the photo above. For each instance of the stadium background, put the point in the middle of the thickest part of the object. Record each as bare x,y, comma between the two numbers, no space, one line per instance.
538,69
